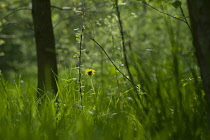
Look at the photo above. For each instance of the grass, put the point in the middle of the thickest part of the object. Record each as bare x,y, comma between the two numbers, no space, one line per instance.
172,109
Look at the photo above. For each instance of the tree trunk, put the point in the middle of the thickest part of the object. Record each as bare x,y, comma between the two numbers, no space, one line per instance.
45,47
200,21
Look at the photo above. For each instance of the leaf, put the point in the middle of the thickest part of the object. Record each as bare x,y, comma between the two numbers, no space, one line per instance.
177,4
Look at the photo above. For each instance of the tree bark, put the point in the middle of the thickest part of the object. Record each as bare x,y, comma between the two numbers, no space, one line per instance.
45,47
200,22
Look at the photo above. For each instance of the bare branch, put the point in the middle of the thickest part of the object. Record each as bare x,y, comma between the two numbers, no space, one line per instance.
114,63
123,42
180,19
185,18
16,10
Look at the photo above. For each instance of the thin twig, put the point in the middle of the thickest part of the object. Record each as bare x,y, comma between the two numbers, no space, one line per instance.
16,10
162,12
180,19
114,63
80,51
123,42
80,63
185,19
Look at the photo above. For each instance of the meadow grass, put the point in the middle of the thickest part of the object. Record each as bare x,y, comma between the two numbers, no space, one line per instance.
171,109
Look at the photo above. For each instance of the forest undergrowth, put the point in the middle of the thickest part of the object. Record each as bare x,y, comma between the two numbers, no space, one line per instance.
127,74
109,107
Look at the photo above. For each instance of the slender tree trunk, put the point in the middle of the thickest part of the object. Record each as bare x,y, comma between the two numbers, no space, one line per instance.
45,47
199,11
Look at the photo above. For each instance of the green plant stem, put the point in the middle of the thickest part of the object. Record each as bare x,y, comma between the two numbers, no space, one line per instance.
80,51
80,63
91,80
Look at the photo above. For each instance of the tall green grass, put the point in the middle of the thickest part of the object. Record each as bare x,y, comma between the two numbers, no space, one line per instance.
172,109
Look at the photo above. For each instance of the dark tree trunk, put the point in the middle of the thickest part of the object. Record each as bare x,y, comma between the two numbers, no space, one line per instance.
45,47
199,11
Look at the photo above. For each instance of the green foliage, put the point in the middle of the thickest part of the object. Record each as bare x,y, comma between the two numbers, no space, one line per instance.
161,60
177,4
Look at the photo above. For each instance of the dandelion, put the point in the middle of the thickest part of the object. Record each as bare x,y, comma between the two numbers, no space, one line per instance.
90,72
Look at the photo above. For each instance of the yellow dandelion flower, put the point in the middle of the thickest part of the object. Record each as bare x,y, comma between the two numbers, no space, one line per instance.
90,72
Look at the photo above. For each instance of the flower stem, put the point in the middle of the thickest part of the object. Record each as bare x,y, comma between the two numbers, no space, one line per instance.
91,79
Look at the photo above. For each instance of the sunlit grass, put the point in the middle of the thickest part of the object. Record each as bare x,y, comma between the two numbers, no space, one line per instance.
170,110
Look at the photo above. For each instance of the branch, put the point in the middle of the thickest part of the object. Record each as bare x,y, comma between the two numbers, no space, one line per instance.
180,19
80,51
185,18
29,8
16,10
114,63
123,41
163,12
